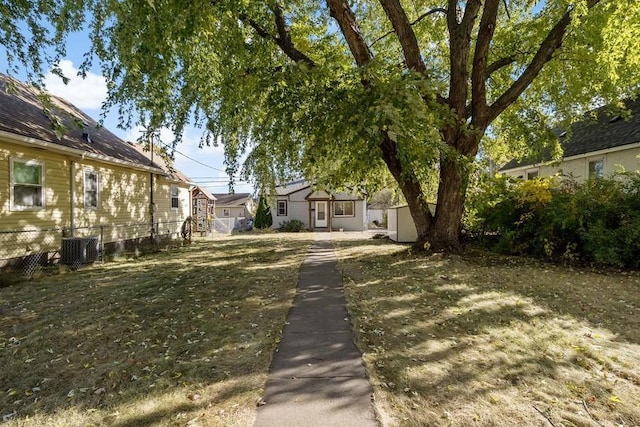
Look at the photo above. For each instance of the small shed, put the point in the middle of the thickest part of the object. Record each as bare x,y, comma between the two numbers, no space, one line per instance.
400,225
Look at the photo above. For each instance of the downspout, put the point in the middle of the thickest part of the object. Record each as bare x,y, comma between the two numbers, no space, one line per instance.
152,206
72,179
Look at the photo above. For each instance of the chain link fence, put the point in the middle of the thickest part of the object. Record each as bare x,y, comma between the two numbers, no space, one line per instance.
25,253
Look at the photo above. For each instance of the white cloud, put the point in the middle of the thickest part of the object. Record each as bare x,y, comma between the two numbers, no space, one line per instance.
87,93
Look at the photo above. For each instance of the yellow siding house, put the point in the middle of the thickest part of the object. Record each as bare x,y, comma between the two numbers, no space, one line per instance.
81,180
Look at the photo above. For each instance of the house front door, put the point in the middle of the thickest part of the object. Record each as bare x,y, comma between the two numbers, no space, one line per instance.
321,214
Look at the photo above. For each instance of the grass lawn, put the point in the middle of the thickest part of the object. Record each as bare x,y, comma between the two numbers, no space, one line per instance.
489,340
183,337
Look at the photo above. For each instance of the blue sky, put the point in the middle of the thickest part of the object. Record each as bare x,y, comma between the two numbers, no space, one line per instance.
205,166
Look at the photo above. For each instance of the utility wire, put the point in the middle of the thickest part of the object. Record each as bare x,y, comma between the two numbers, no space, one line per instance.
191,158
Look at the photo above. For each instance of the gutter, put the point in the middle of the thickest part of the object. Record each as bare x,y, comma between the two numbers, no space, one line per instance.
575,157
37,143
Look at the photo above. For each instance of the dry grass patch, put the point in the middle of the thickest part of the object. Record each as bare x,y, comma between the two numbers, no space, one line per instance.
179,338
489,340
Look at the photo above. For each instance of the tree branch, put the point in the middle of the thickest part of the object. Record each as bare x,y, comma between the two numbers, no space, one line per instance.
500,63
418,19
551,43
406,36
459,51
342,13
479,67
283,40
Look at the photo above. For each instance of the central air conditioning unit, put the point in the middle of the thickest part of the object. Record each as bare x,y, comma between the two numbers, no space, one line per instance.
79,250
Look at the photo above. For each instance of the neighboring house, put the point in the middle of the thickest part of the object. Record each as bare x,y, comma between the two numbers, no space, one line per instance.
595,147
77,180
203,210
318,209
238,205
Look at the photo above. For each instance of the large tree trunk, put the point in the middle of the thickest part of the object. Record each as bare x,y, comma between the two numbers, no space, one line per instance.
445,233
410,187
442,232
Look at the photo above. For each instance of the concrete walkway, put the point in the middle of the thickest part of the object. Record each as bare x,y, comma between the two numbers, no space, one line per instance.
317,377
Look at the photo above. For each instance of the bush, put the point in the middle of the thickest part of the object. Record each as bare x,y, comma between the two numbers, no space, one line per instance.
263,217
594,222
294,225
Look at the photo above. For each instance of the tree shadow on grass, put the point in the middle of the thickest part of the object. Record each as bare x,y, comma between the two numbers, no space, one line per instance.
460,329
99,338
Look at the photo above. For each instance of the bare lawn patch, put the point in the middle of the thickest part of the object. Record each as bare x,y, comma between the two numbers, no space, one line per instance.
489,340
179,338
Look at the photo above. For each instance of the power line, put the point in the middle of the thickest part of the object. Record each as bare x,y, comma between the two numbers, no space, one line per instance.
191,158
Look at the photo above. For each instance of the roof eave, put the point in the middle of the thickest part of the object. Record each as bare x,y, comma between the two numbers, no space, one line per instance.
33,142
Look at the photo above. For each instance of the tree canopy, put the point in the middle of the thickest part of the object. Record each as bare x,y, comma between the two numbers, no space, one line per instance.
351,91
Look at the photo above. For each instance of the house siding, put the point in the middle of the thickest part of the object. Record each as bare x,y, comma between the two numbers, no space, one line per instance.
234,212
300,202
298,209
625,159
354,223
55,212
123,203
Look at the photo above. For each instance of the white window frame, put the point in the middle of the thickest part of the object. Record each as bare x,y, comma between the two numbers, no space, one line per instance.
281,204
175,189
43,188
335,210
226,212
534,170
97,190
593,160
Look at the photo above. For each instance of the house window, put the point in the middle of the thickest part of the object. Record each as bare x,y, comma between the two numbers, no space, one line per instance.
91,189
343,208
533,174
175,199
596,168
226,212
27,184
282,208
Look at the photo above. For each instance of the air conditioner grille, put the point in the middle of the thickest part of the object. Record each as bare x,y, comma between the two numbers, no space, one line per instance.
79,250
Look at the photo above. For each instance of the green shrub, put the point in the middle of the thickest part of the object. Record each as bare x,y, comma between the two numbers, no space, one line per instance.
594,222
294,225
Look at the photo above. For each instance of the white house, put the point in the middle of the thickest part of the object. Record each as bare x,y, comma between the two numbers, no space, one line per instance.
318,209
597,146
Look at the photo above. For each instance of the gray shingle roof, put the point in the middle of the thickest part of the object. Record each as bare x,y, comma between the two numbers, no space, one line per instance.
292,187
22,114
606,130
237,199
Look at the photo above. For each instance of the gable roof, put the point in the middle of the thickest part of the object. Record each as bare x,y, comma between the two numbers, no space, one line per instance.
292,187
599,130
199,190
236,199
23,119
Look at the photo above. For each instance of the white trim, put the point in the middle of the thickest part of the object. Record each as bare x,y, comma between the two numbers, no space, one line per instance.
177,197
528,171
325,222
576,157
353,209
84,187
595,159
43,188
284,202
37,143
